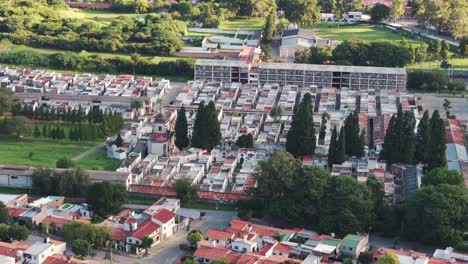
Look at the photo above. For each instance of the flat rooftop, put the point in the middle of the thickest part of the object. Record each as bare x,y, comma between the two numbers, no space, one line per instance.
333,68
304,67
231,63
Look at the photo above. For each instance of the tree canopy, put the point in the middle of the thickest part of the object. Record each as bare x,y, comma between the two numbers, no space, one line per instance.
106,197
181,130
436,215
301,139
443,175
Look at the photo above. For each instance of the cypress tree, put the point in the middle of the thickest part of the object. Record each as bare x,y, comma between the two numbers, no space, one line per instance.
341,147
214,132
181,130
37,131
436,150
351,125
332,148
422,139
199,135
45,131
301,139
408,139
269,27
118,141
390,142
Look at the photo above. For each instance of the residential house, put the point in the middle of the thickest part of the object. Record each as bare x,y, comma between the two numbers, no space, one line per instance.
41,250
353,245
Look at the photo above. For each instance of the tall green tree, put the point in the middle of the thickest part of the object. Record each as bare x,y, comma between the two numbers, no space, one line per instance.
397,9
6,101
439,176
213,128
436,151
380,13
341,147
302,12
353,144
301,139
422,139
444,49
332,149
37,131
185,190
389,258
199,133
146,243
408,137
347,207
4,214
270,26
181,130
436,215
106,197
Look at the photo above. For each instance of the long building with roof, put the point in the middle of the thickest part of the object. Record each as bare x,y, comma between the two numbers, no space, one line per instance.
337,76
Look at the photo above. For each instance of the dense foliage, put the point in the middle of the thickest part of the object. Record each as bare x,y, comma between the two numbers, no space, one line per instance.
38,24
436,214
181,130
95,63
400,139
309,196
206,131
106,197
301,138
96,236
14,232
186,191
69,183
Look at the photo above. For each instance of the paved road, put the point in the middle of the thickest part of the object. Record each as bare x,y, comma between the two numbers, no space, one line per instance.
89,151
434,101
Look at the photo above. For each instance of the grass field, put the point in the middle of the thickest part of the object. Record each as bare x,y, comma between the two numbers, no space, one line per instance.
44,152
370,33
364,32
102,17
459,64
243,23
98,161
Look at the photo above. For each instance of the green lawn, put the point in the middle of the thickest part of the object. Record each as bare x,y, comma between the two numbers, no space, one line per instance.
98,161
364,32
459,64
44,152
102,17
243,23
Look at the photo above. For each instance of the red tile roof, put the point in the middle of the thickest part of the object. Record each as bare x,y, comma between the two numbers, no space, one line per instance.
9,250
145,229
219,234
159,137
211,253
164,215
59,222
15,212
282,248
61,259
